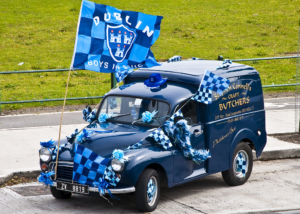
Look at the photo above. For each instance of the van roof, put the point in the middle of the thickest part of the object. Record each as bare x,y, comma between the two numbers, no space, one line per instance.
183,79
191,71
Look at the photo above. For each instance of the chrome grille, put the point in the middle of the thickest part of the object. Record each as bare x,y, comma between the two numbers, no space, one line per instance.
64,170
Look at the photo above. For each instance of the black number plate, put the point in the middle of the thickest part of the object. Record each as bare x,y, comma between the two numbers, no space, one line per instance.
77,188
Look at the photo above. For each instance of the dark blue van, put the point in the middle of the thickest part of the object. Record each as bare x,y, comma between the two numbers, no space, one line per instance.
229,128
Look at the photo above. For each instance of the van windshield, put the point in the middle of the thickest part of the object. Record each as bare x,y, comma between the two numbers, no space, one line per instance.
130,109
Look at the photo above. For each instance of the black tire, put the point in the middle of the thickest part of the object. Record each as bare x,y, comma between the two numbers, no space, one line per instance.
141,197
232,176
58,194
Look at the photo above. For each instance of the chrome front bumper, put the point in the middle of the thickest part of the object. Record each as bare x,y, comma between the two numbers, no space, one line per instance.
113,191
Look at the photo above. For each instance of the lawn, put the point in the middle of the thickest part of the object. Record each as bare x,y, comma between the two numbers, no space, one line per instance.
42,33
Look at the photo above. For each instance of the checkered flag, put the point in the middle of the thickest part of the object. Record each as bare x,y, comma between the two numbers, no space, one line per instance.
241,164
160,137
88,166
111,176
203,95
209,83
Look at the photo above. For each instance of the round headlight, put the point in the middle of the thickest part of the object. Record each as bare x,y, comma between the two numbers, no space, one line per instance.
117,165
45,155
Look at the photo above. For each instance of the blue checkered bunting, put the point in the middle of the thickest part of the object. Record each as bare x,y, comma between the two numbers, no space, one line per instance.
150,190
108,38
177,114
111,176
135,146
160,137
88,166
203,95
241,164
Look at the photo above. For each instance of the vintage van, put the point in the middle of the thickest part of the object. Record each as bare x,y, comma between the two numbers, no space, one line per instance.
230,128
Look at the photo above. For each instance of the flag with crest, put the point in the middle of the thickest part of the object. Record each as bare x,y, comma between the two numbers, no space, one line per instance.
110,40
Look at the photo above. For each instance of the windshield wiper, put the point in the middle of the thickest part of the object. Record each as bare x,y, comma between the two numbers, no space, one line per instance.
120,115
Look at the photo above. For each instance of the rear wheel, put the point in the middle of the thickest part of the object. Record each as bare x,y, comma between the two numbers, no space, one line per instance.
58,194
147,191
242,163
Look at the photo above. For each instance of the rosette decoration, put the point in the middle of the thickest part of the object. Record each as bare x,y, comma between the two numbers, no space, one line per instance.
103,117
84,135
119,155
45,178
147,116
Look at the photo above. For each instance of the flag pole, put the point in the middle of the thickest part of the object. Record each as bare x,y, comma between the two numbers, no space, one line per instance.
61,118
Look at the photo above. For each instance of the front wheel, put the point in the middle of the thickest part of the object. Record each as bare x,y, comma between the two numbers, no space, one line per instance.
241,167
147,191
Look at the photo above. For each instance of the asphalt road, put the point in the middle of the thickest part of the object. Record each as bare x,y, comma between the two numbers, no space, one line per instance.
53,119
274,187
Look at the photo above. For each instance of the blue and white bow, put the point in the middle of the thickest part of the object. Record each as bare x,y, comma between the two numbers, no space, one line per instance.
226,63
45,178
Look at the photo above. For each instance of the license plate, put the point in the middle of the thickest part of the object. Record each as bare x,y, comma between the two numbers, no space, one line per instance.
77,188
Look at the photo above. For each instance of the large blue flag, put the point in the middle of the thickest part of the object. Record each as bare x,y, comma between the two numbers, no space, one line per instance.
111,40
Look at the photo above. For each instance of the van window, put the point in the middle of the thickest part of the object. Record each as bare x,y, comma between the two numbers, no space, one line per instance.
189,112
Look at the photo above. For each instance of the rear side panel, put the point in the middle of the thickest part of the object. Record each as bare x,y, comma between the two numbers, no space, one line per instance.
238,114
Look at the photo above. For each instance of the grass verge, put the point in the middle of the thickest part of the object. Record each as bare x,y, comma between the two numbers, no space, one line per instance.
42,35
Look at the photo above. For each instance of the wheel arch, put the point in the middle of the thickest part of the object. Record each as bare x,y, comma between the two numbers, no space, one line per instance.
244,135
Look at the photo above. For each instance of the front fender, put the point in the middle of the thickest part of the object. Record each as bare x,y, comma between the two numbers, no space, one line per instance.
242,135
141,158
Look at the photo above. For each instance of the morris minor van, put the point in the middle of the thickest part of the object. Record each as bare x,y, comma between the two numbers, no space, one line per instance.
230,128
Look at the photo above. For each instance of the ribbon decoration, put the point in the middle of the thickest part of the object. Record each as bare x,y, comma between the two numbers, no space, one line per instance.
72,136
48,144
102,186
45,178
179,132
84,135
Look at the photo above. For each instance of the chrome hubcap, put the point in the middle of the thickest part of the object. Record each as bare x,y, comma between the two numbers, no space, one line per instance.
240,164
152,191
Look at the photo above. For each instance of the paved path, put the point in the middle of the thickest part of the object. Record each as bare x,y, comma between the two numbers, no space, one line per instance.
273,186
